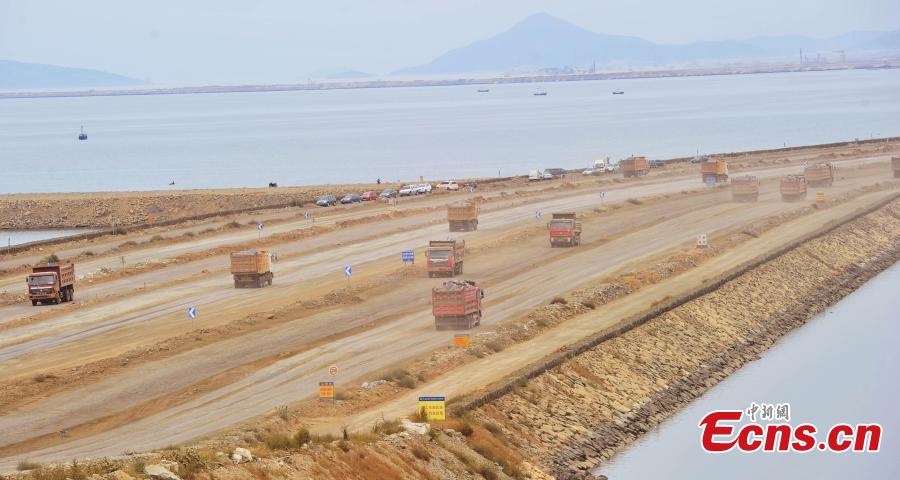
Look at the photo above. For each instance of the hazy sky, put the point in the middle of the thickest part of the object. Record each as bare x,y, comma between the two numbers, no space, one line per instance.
206,41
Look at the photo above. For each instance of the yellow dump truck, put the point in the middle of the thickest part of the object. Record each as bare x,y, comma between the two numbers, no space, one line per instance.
745,188
251,268
895,164
634,166
463,217
793,188
714,170
819,174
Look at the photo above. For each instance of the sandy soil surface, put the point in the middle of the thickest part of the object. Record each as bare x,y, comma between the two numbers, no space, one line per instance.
126,366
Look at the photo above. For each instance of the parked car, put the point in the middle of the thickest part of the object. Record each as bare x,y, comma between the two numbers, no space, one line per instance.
590,171
369,196
657,164
423,188
547,176
388,193
535,175
448,185
555,172
408,190
351,198
326,201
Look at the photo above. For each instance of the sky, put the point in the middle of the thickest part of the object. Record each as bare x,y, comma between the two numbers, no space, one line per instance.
171,42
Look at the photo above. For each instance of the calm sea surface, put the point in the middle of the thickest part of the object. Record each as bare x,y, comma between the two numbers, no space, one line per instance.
841,367
249,139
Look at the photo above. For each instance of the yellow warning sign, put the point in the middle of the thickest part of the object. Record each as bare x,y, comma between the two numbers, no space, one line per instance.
433,408
820,197
326,390
461,340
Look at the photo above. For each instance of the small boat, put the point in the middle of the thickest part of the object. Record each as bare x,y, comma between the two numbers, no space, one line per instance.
484,90
540,93
82,135
618,92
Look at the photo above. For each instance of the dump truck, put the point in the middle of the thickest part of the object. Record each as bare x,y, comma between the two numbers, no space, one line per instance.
714,170
793,187
463,217
445,257
895,164
456,305
819,174
565,230
251,268
745,188
51,284
634,166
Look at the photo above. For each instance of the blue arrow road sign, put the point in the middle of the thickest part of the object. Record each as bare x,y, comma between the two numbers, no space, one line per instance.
408,256
602,194
259,226
348,270
192,312
306,215
537,214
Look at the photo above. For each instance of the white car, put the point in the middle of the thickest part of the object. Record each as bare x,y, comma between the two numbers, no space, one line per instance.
408,190
535,175
548,176
423,188
448,185
590,171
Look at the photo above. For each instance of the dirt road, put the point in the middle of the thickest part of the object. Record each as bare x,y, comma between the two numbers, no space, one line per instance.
382,327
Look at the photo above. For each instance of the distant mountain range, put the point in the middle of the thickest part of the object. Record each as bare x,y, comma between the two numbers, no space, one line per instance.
21,75
543,41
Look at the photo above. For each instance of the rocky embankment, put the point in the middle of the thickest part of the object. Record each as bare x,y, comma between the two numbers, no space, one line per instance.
141,208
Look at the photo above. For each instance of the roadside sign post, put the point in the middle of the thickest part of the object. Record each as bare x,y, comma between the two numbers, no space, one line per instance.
461,340
537,214
602,196
702,242
433,408
408,256
820,198
348,270
326,391
192,313
259,228
333,370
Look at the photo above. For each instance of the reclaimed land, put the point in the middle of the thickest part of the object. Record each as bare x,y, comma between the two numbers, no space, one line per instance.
570,412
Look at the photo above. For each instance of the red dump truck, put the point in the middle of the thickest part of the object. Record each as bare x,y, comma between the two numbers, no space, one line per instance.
51,284
251,268
634,166
895,165
819,174
445,257
456,305
745,188
462,217
714,170
793,187
565,230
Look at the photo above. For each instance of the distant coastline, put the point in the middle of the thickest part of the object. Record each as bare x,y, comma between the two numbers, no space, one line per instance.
682,72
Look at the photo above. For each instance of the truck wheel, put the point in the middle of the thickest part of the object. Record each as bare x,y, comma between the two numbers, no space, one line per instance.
34,303
72,294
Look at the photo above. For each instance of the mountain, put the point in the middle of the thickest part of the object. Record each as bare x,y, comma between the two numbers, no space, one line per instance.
21,75
544,41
